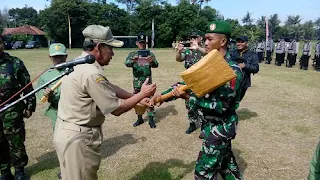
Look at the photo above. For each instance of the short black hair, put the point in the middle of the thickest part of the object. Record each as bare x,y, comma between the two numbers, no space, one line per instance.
88,45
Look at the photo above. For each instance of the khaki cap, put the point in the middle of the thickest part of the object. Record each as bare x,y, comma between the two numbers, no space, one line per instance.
101,34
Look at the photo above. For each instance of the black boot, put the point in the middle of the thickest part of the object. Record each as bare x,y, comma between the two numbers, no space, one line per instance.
20,174
151,122
139,121
6,175
59,175
191,128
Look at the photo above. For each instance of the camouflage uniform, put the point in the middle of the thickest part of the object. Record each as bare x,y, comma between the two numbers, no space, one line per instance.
14,76
141,73
219,120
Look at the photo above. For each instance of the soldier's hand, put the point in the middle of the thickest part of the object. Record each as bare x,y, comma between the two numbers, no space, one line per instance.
47,92
147,102
194,45
156,100
241,65
135,58
149,59
180,94
27,113
180,47
148,90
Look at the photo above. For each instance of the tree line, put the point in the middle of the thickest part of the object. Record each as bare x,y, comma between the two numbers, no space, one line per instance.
172,23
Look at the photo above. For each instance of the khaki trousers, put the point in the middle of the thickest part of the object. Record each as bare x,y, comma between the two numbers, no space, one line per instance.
78,150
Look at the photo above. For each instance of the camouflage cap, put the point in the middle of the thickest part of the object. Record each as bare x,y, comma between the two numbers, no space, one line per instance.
220,27
101,34
57,49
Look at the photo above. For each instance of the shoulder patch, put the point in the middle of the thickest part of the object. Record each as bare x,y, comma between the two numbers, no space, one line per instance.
100,79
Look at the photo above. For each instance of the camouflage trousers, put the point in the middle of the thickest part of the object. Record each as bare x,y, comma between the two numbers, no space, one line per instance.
12,137
150,111
192,115
216,155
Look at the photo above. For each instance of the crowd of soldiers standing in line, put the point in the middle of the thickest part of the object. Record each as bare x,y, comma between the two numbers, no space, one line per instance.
286,51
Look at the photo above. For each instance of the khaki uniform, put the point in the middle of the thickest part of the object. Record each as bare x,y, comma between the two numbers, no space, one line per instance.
86,98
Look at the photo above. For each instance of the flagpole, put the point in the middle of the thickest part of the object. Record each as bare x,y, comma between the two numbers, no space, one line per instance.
152,38
69,31
267,28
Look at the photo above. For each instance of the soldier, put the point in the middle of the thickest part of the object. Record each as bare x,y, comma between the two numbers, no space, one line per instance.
57,54
217,112
13,77
190,56
269,48
260,50
306,53
314,169
142,71
280,52
86,98
250,64
317,57
291,52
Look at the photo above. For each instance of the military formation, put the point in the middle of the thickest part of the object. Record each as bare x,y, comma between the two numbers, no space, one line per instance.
286,52
77,108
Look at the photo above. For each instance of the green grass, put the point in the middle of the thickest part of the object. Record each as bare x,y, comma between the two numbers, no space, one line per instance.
279,119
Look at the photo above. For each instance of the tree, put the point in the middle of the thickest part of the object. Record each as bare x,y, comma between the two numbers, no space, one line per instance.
274,24
308,30
4,19
55,20
131,4
317,26
292,24
24,16
247,19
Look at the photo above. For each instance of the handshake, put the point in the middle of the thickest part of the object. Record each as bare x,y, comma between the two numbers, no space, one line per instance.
158,98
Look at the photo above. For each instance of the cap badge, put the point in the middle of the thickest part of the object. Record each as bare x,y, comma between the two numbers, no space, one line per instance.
212,27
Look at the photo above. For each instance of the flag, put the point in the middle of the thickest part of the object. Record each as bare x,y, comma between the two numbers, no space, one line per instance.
152,37
69,31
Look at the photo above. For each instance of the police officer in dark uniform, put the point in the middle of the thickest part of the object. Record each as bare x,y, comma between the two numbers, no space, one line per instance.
249,62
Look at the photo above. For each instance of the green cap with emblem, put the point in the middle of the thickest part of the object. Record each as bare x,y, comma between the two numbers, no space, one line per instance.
101,34
57,49
220,27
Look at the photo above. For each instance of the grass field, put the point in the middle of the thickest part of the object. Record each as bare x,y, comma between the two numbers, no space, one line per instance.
277,134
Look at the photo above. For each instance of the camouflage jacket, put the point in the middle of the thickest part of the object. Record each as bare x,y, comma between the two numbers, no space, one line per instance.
222,102
191,57
13,77
140,72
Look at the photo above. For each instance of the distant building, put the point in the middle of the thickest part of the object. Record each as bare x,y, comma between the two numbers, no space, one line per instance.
38,35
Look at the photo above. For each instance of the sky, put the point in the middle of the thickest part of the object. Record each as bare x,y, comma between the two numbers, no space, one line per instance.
236,9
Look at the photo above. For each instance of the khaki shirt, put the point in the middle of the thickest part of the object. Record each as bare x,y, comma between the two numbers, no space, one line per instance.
86,96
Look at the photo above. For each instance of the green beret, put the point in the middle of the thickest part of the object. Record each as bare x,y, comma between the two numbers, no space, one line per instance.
220,27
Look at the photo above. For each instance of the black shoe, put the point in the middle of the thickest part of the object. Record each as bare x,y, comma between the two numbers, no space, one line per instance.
59,175
20,174
139,121
151,122
7,176
191,128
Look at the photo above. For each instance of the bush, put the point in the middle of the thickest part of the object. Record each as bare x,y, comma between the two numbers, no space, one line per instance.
21,37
